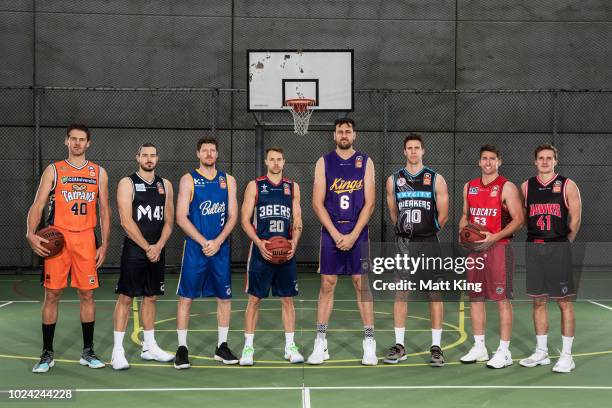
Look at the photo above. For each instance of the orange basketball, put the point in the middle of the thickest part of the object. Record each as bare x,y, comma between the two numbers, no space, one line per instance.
55,238
279,246
470,234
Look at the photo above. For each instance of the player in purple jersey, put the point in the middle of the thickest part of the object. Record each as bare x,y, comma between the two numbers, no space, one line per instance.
553,211
343,200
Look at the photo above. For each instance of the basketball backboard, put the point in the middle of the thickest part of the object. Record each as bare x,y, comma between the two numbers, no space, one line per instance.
274,76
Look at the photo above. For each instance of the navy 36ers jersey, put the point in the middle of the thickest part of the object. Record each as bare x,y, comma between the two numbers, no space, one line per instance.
148,205
273,205
547,211
415,198
344,195
209,203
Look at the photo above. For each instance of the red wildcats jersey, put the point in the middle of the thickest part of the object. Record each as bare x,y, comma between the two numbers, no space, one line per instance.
485,205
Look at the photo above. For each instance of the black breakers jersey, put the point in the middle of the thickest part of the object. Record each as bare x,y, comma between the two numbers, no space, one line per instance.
415,197
148,206
273,206
547,214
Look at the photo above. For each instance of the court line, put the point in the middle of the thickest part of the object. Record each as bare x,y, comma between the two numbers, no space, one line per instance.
305,397
590,301
6,304
295,299
306,390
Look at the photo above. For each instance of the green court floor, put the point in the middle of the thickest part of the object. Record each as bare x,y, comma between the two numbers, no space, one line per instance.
272,382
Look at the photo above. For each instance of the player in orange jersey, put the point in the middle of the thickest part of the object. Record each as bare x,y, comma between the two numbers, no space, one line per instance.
73,188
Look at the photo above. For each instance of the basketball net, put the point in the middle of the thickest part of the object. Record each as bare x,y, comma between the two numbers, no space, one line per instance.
301,110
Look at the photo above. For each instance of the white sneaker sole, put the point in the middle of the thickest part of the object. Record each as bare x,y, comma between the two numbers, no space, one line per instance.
226,362
182,366
121,367
504,365
148,357
84,362
543,362
477,360
296,361
38,370
572,367
369,362
318,362
246,363
402,358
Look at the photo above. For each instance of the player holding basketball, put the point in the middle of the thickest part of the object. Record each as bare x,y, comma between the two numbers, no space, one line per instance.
271,207
73,187
494,203
417,198
553,211
343,200
207,211
146,209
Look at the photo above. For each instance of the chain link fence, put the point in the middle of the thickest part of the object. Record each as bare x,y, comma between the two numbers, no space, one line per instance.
454,124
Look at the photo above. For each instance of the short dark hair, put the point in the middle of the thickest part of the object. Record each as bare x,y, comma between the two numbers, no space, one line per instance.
490,148
344,121
275,149
414,136
546,146
78,126
146,144
207,140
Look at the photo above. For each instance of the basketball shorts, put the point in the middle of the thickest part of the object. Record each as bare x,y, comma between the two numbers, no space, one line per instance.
493,270
137,275
355,261
263,276
549,270
205,276
77,259
429,250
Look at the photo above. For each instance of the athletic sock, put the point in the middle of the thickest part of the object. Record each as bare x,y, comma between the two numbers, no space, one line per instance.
436,337
182,337
368,332
567,345
542,342
288,339
504,345
321,331
148,338
222,335
48,331
88,334
118,343
399,335
248,339
479,340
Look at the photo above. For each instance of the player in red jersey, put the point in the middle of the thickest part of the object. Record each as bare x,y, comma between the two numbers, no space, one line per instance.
493,202
553,211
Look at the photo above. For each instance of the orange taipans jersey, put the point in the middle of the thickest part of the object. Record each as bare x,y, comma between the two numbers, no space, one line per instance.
72,202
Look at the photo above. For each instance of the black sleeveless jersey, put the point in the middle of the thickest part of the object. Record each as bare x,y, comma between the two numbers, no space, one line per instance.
148,206
547,213
415,197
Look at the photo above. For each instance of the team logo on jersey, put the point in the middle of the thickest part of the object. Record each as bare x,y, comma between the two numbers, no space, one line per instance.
264,189
92,280
401,182
79,187
208,208
140,187
222,182
557,186
564,289
499,290
199,182
286,189
162,287
427,179
228,291
473,190
358,162
341,185
494,191
160,188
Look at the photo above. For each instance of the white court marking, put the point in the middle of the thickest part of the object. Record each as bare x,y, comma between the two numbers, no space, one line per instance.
599,304
6,304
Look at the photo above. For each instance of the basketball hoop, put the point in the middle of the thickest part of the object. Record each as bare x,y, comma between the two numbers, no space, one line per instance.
301,110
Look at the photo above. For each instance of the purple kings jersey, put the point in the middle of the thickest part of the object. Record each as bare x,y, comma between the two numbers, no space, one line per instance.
344,193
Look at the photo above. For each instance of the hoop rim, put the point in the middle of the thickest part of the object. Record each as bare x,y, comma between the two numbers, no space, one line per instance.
299,103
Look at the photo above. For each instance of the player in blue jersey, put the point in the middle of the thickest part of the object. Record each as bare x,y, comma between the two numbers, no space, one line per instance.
343,199
207,211
271,207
